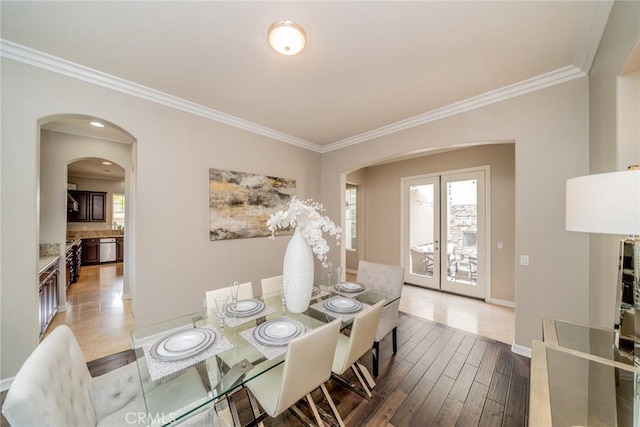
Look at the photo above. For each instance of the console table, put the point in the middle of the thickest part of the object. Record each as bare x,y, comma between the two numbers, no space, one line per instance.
579,377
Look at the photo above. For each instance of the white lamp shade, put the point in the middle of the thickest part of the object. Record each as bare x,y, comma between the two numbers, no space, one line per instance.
606,203
286,37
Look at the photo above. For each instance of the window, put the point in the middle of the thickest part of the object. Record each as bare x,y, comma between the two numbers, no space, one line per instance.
118,211
350,225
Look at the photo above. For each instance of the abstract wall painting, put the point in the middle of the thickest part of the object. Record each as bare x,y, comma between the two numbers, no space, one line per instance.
240,203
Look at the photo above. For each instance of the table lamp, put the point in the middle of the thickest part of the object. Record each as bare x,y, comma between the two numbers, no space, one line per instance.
609,203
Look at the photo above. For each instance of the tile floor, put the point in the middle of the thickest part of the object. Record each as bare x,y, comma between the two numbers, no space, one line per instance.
102,321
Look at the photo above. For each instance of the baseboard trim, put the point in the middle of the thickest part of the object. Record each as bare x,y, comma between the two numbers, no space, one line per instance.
5,384
521,350
502,302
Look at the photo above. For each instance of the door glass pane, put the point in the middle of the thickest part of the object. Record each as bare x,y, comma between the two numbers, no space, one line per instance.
421,238
462,229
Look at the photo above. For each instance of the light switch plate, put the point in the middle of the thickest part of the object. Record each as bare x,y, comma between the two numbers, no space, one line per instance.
524,260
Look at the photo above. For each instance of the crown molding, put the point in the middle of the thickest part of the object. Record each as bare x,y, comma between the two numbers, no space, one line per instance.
19,53
54,64
594,22
542,81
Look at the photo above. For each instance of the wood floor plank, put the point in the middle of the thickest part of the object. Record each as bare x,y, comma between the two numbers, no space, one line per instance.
472,409
491,414
422,332
455,365
448,415
442,360
477,352
466,345
411,404
434,334
419,350
515,412
434,350
382,416
390,382
405,349
412,378
488,364
499,388
505,361
434,401
463,384
359,414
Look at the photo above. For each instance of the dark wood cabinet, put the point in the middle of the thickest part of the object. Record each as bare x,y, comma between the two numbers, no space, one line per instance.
119,249
90,251
91,206
48,293
69,263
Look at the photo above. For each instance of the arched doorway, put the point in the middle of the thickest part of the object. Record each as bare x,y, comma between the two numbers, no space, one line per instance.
69,143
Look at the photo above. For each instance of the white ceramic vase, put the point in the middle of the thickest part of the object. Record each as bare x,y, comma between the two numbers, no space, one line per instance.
297,273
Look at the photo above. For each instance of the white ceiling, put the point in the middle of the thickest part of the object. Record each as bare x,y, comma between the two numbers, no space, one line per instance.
367,65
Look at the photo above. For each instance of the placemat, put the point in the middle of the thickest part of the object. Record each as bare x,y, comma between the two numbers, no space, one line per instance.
237,321
342,316
268,351
160,368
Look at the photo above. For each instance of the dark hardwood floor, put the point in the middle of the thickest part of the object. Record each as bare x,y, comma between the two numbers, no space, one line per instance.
440,376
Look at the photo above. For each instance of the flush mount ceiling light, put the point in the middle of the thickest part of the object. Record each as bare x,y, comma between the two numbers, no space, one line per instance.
106,163
96,124
287,37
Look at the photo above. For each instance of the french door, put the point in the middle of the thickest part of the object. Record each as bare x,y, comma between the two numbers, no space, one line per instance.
444,232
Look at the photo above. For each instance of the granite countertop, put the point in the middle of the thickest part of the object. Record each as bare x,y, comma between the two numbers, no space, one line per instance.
45,262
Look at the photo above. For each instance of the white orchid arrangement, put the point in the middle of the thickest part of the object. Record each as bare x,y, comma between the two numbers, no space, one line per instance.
306,217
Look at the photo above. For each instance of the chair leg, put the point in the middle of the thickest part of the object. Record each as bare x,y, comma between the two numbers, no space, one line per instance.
394,338
367,376
376,353
332,405
362,384
316,414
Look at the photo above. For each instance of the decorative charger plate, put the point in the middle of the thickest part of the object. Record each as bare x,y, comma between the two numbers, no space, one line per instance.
278,331
183,344
244,308
349,287
340,304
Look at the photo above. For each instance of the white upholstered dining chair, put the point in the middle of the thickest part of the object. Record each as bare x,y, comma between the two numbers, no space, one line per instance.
54,388
271,284
307,366
350,349
388,279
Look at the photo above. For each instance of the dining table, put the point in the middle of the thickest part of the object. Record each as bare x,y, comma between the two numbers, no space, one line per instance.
221,355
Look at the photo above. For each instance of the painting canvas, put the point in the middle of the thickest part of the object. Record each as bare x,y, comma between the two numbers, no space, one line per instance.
240,203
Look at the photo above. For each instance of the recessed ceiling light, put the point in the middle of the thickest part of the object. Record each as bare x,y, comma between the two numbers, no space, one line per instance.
106,163
96,124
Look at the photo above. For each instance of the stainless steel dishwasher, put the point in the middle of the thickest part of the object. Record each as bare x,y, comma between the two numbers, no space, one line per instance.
108,249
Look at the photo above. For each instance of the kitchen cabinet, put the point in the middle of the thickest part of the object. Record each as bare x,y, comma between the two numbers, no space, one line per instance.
119,249
48,295
69,263
91,206
90,251
77,261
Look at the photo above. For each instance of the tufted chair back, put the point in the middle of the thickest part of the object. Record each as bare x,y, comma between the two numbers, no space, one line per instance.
53,386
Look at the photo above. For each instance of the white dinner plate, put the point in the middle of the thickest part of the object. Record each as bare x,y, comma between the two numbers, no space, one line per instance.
349,287
244,308
340,304
182,344
316,290
278,331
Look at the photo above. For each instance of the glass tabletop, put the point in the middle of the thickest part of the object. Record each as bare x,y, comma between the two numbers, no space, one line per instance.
178,394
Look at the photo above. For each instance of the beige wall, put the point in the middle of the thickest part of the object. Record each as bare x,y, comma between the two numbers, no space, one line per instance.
620,36
550,131
174,260
383,195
